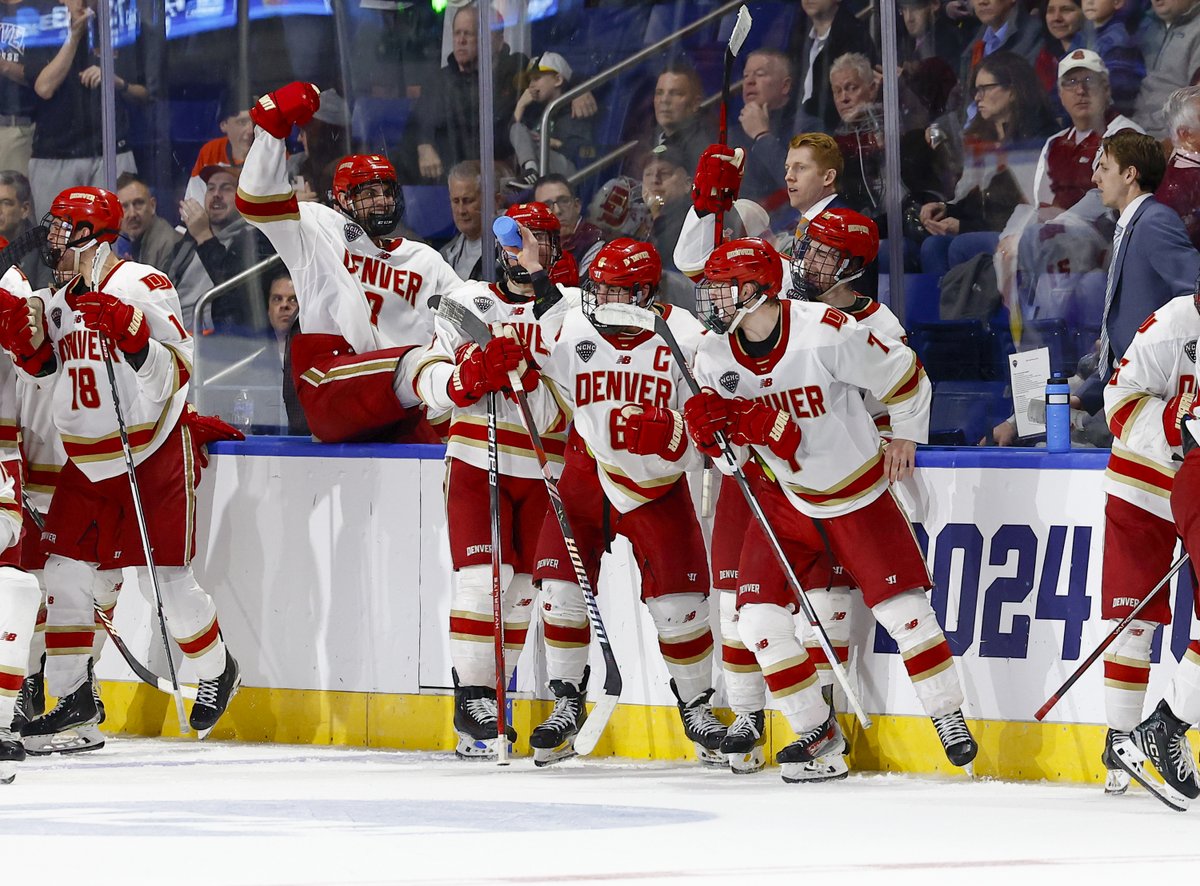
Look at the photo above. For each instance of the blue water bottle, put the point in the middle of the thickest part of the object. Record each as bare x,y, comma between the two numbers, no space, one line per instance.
1058,415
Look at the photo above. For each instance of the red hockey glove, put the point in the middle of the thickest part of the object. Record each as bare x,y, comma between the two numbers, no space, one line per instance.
293,105
123,324
17,334
718,179
565,271
1178,408
654,431
707,414
481,370
756,424
207,429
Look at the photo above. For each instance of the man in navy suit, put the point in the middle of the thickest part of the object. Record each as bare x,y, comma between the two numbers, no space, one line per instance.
1152,261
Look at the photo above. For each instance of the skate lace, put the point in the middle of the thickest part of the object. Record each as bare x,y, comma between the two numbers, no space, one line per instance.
700,719
207,691
743,724
482,710
566,711
952,729
1179,755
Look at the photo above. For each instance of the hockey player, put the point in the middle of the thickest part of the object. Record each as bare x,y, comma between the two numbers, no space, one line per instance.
1151,389
524,309
60,339
363,296
795,371
625,474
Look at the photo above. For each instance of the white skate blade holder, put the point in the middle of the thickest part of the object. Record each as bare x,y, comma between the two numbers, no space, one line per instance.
748,763
1133,761
72,741
550,756
828,768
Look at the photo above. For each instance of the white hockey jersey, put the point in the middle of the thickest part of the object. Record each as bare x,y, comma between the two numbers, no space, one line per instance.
468,426
152,397
345,285
1159,363
879,317
596,376
815,372
15,282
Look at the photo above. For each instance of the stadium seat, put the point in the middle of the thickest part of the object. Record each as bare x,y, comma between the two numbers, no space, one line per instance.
954,350
966,411
922,299
427,211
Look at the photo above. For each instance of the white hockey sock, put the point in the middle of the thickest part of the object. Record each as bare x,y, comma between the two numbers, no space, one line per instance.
518,608
685,640
191,618
1126,674
566,630
744,684
1183,695
833,610
472,638
19,598
770,631
104,590
910,620
37,648
70,623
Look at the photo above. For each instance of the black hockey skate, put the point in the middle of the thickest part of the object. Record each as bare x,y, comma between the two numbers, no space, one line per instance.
956,738
1161,740
1116,779
214,696
817,755
475,719
701,725
554,739
31,700
743,743
12,752
71,726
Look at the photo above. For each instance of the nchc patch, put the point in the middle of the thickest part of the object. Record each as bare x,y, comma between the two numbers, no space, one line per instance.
729,381
56,318
483,304
1190,350
353,232
585,349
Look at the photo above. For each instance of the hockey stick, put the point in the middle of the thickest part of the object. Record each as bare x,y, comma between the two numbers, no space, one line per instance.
138,511
741,28
1108,641
632,315
21,246
593,727
493,473
140,671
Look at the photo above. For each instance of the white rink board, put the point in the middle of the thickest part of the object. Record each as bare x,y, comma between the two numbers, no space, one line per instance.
333,574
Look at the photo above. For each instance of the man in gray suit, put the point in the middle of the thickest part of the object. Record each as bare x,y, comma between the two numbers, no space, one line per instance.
1152,260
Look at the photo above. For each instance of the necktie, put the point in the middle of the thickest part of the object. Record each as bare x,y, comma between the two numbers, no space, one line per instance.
1109,291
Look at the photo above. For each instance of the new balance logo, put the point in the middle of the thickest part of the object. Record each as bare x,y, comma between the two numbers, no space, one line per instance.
762,644
528,601
624,359
8,638
912,625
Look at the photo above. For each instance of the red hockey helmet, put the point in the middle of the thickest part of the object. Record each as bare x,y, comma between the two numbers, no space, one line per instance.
836,247
543,224
78,219
379,210
625,271
720,301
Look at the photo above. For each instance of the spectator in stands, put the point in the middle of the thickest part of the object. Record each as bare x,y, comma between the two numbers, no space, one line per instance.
570,137
1111,40
447,118
225,244
580,238
667,190
1180,188
67,143
1004,26
282,311
766,123
1152,259
826,30
18,24
999,143
1064,21
464,253
1171,47
228,149
927,34
325,139
677,96
152,239
16,217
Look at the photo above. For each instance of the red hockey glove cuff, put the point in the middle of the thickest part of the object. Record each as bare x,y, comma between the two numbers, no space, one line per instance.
707,414
125,325
756,424
1178,408
292,105
718,179
655,431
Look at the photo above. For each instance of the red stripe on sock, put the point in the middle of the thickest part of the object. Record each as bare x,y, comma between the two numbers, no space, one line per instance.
789,677
817,654
738,655
68,640
1124,673
688,648
194,647
930,658
471,626
515,636
11,682
566,636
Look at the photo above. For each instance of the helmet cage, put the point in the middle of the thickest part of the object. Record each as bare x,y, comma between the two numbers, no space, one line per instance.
596,294
816,271
549,252
63,233
371,211
720,306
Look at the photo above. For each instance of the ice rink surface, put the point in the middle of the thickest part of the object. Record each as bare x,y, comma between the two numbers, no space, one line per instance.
181,813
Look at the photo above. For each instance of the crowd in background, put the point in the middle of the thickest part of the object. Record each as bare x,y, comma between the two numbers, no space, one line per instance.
1003,105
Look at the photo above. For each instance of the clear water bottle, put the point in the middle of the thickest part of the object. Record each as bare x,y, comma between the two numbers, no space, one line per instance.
1058,415
243,412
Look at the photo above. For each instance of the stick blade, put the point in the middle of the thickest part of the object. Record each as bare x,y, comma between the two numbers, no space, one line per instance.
593,726
460,317
625,315
741,28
